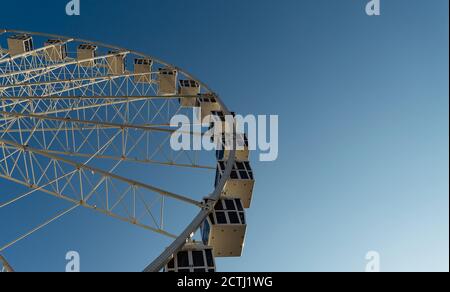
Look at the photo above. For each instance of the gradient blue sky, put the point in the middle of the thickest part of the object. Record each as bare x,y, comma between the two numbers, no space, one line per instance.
363,106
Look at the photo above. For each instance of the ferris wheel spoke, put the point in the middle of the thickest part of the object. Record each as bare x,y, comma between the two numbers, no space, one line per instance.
20,65
97,97
60,183
50,68
105,125
73,80
75,107
129,159
5,130
33,52
36,229
74,138
84,167
57,88
116,109
106,212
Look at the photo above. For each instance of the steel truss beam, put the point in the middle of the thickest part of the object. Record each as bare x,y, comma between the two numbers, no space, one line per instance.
73,80
103,124
48,69
67,138
128,159
100,97
79,171
33,52
81,166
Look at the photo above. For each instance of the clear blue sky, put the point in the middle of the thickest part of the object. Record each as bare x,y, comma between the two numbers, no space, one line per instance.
363,105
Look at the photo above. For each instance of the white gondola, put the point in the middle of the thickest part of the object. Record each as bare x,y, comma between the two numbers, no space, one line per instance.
193,258
85,52
19,44
225,228
143,70
167,79
206,104
240,183
57,52
187,90
226,144
116,63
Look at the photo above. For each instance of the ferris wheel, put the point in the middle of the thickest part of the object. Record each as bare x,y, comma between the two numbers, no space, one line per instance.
90,124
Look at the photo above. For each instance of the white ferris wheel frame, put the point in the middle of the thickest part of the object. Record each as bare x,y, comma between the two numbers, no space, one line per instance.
205,208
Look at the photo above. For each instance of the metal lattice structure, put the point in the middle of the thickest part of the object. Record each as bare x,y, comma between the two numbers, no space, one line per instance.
70,120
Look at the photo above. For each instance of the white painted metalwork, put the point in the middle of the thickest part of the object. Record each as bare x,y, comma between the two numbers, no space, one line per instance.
68,104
